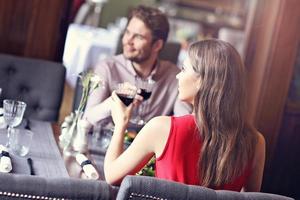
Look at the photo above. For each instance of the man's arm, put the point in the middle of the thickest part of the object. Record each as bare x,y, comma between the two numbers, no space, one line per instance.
98,104
97,112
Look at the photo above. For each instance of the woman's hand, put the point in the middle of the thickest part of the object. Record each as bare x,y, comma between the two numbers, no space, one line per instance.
119,111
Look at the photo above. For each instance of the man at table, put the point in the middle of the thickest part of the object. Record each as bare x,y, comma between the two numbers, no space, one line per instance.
144,37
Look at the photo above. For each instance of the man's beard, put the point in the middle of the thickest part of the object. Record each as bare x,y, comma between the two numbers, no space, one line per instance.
140,58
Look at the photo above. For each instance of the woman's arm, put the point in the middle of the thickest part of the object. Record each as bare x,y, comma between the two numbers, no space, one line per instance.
255,180
149,141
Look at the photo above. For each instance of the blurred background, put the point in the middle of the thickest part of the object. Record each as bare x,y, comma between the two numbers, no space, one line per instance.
266,33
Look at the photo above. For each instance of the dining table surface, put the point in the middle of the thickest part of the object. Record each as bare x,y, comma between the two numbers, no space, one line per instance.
48,158
44,154
73,167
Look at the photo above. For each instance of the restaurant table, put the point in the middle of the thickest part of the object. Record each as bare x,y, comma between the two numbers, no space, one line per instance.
94,153
47,160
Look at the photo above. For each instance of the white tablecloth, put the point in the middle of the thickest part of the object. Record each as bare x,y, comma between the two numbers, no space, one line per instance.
85,46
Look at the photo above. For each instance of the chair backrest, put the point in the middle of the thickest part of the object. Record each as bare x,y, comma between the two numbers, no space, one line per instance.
25,187
170,52
142,188
39,83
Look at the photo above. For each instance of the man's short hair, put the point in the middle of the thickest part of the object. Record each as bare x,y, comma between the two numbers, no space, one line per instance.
154,19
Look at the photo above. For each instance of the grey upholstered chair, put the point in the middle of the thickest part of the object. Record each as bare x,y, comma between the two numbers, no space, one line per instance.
170,52
39,83
142,188
26,187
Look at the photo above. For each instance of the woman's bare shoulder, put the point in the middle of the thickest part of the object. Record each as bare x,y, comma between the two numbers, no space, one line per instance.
260,139
160,122
260,148
158,128
255,180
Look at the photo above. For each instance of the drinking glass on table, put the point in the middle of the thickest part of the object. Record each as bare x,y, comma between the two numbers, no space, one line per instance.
13,112
20,140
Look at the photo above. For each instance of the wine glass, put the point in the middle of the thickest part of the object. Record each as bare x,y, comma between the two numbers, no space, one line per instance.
104,130
13,112
145,90
126,92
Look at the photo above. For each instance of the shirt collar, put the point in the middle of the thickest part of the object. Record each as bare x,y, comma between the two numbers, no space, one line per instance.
130,67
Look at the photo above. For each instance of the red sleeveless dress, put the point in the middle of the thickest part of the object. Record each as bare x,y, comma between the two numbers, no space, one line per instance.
178,161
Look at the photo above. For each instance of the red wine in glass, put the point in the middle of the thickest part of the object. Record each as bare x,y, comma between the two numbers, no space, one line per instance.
126,99
145,94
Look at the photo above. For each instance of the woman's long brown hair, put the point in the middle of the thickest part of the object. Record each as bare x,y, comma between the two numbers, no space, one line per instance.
227,140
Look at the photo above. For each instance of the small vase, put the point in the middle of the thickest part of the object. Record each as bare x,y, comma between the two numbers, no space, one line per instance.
66,134
79,142
69,130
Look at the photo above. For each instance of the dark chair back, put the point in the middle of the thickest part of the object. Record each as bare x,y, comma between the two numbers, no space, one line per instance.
142,188
170,52
26,187
39,83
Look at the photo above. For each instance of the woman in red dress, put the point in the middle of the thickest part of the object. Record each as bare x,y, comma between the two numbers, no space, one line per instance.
213,147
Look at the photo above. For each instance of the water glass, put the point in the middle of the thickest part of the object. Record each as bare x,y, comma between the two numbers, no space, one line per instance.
13,112
20,141
106,135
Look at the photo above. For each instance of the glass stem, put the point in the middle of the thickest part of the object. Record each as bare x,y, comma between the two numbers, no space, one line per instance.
9,131
141,110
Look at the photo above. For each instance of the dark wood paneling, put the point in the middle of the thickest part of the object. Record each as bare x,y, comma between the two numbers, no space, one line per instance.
284,175
270,61
33,28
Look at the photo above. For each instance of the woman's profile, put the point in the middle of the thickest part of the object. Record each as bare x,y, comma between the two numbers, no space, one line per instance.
213,147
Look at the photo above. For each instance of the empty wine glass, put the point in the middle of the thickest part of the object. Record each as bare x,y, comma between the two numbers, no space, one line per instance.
13,112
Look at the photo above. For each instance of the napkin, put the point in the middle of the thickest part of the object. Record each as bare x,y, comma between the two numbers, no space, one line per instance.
87,166
5,161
